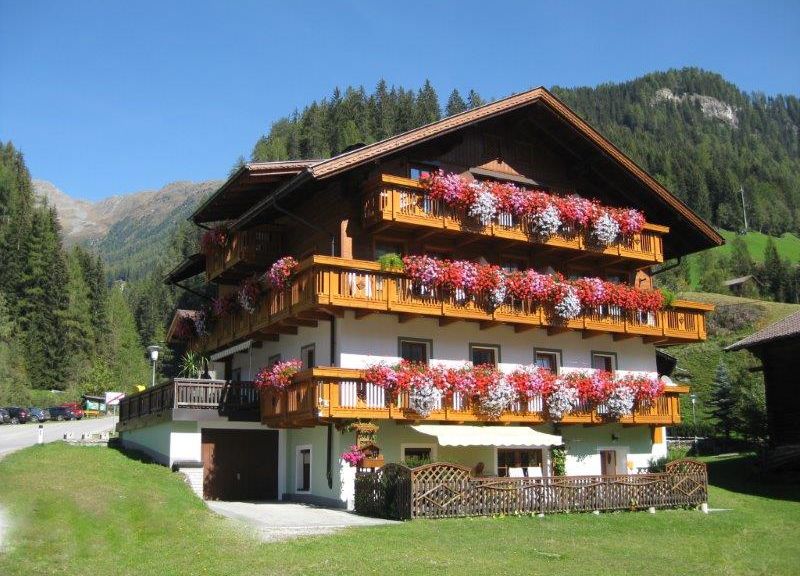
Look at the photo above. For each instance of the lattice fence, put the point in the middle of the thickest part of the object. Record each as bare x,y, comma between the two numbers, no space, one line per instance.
447,490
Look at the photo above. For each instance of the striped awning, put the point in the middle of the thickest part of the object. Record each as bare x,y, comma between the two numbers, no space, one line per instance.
241,347
517,436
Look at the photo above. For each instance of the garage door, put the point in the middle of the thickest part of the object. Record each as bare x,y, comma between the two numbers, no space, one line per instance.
240,464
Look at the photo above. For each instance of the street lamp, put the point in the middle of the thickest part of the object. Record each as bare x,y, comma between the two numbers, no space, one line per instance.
693,398
153,351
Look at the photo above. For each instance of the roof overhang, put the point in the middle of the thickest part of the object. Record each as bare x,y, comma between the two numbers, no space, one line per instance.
246,187
689,229
189,268
516,436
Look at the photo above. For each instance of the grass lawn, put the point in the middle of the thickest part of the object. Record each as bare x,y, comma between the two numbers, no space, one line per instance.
93,511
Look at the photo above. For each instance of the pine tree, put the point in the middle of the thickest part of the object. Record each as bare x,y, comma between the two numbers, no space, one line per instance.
13,373
474,100
76,322
775,271
455,104
427,106
127,360
723,399
741,262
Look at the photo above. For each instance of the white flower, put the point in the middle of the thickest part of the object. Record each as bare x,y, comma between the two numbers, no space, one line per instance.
200,324
485,206
605,230
569,306
562,400
246,302
546,223
424,396
497,399
620,402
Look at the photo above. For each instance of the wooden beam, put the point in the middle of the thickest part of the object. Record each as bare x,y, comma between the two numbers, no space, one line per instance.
447,321
301,322
267,336
486,324
314,315
553,330
591,334
621,336
362,313
403,318
653,339
523,327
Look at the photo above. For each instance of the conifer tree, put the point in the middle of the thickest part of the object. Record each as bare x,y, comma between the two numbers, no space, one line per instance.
427,105
723,399
474,100
455,104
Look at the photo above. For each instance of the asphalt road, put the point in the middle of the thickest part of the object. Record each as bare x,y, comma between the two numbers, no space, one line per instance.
16,436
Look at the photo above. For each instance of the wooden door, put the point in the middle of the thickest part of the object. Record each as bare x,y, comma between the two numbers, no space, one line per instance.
240,464
608,462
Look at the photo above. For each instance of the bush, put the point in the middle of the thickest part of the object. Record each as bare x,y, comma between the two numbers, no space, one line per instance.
391,261
731,318
414,461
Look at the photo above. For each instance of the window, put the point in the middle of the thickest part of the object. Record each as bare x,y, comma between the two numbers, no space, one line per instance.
604,361
307,355
415,350
303,469
512,264
418,171
274,359
518,458
383,247
550,359
418,454
236,375
484,354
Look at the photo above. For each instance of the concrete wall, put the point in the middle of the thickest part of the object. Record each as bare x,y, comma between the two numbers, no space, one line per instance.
583,443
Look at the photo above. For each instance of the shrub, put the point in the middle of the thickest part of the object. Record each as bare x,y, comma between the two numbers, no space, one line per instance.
390,261
733,318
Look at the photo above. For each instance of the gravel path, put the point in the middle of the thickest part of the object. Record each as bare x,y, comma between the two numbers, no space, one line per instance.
274,521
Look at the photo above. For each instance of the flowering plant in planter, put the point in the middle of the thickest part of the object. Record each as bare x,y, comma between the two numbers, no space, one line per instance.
424,271
620,401
458,380
530,381
459,277
491,281
383,376
546,213
353,456
567,303
249,291
563,399
279,375
646,387
184,328
593,387
497,398
218,236
424,395
279,274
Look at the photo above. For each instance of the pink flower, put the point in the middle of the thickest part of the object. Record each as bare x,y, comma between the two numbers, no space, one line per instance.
279,376
280,273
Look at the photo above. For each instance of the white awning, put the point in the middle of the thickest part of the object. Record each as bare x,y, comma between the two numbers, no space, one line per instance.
216,356
488,435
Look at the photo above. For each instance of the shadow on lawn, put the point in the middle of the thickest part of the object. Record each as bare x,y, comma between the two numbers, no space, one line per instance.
743,474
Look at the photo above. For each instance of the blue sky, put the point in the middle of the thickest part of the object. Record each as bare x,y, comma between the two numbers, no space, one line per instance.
108,97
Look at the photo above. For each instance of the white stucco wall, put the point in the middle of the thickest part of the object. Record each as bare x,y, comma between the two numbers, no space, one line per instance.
374,338
632,443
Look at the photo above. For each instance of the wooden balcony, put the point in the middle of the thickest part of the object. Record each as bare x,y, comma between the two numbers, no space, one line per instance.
248,252
227,398
402,203
327,286
323,394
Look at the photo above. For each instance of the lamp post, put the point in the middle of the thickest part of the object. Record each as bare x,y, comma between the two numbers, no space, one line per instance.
693,398
153,351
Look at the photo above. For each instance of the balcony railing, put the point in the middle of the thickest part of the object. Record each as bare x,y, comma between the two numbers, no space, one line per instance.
190,393
325,284
342,393
402,201
247,251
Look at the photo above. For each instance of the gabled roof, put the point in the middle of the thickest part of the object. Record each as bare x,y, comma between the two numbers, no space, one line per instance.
321,170
789,327
177,317
246,187
740,280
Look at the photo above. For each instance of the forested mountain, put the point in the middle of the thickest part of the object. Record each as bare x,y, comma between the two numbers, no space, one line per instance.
130,231
61,325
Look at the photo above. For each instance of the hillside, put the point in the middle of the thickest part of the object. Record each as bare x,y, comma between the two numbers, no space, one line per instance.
733,319
130,230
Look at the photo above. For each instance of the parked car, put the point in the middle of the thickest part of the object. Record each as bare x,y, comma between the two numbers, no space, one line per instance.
75,407
62,413
39,414
4,416
18,415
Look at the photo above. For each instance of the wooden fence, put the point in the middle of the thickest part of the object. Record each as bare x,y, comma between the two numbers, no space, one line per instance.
443,490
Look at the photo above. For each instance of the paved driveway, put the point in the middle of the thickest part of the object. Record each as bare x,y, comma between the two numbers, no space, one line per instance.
17,436
280,521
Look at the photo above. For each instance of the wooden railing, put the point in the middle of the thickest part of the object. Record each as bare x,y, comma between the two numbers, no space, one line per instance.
255,247
196,394
324,282
443,490
342,393
405,202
